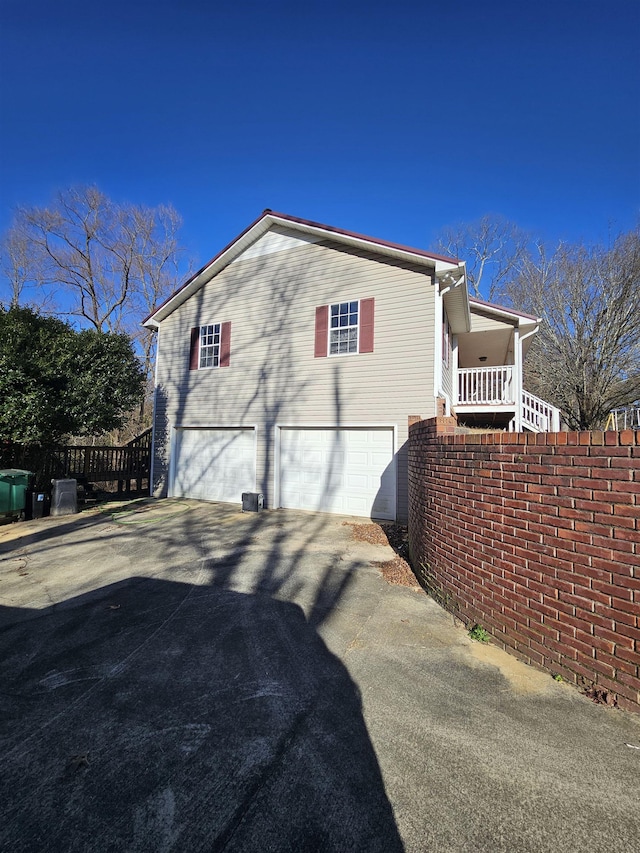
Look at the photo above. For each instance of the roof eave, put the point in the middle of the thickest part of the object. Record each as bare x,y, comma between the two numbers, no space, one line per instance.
501,311
261,225
219,261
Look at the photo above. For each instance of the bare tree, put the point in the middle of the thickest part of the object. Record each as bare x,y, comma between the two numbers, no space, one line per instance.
98,261
492,247
586,358
18,266
102,263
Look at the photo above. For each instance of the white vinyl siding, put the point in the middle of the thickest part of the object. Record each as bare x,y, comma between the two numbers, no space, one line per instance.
275,379
483,322
275,241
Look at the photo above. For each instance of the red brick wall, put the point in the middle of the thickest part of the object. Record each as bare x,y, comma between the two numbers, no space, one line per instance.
537,539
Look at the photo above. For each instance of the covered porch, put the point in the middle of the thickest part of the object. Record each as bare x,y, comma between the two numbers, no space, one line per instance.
485,371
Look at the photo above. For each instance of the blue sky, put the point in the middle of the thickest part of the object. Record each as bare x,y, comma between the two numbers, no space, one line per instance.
391,119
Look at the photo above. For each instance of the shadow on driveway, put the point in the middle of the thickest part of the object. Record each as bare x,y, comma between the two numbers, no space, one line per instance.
157,715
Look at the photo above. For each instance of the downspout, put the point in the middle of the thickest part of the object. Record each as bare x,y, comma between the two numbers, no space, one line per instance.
518,352
439,391
440,294
153,416
517,359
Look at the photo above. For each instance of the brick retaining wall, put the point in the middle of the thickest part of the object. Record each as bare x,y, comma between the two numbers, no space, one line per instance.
537,539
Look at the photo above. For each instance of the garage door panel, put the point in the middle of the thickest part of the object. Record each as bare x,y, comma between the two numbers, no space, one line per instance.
356,506
348,471
309,478
355,458
379,439
214,464
357,481
378,458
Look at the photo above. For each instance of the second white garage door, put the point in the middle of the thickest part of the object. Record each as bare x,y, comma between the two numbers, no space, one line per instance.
214,464
347,471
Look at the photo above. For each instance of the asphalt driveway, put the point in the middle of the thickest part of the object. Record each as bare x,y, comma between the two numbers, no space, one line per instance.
185,677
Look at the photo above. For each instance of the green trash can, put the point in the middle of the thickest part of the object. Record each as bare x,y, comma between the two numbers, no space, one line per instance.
13,486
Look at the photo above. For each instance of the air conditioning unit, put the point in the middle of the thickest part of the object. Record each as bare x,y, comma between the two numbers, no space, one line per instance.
252,502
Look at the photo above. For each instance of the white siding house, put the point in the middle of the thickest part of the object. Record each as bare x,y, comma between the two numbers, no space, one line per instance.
290,365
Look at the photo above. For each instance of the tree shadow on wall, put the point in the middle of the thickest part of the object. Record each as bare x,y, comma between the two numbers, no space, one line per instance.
273,379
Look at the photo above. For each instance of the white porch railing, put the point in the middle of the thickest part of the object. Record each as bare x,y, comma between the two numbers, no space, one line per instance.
537,415
495,386
486,386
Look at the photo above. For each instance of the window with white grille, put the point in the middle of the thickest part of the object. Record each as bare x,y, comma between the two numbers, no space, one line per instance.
343,328
209,346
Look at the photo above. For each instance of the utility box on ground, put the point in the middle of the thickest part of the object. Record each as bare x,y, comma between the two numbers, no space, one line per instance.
37,504
13,486
252,502
64,497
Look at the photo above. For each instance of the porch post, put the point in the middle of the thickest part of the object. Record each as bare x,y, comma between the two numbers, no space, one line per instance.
517,377
455,390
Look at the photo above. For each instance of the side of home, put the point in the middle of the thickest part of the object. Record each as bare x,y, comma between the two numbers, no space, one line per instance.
291,363
251,397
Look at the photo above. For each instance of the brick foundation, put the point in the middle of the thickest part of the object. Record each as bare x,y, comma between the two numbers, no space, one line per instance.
536,538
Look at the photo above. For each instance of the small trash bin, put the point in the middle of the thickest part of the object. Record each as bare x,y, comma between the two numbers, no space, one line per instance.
64,497
13,487
37,504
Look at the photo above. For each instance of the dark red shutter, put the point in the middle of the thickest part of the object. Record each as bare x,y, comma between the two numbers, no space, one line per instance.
322,331
225,344
366,325
194,350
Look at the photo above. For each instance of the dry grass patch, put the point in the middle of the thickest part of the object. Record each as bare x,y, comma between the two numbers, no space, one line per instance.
372,533
398,570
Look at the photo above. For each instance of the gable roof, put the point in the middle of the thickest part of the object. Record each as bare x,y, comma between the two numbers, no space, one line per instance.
269,218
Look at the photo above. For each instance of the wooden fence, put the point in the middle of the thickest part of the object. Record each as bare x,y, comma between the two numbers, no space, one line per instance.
88,464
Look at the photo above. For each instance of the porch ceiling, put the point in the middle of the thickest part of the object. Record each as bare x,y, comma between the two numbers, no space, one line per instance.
496,345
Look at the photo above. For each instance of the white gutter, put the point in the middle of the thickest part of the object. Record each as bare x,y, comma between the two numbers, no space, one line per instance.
452,284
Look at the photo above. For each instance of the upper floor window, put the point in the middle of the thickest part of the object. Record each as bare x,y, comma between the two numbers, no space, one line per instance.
343,334
210,346
344,327
209,355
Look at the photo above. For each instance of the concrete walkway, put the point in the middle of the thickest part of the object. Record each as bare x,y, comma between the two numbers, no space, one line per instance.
183,677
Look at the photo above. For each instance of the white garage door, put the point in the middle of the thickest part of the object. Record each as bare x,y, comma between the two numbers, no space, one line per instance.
348,471
214,464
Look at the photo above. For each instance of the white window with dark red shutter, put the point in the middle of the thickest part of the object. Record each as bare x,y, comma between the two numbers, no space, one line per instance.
344,328
343,324
210,346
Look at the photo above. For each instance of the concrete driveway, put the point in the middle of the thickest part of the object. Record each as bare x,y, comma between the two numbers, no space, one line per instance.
187,678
